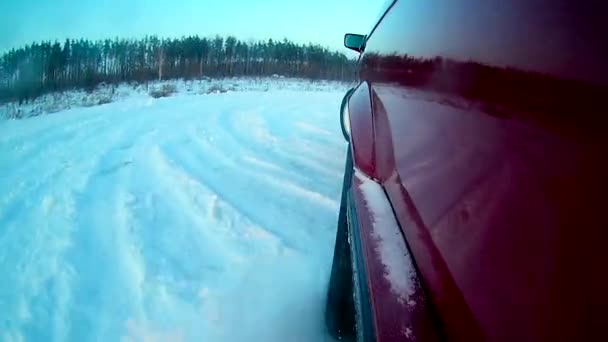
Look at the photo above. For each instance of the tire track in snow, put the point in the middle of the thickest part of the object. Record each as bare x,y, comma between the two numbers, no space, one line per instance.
48,277
55,146
103,241
156,228
221,222
214,164
48,208
281,198
249,130
52,139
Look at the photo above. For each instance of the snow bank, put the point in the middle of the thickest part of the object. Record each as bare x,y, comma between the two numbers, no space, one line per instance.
103,94
195,218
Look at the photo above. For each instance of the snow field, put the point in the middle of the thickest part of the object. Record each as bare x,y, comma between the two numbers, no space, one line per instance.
193,217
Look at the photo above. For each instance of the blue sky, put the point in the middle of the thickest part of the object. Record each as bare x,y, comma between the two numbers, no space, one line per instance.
320,21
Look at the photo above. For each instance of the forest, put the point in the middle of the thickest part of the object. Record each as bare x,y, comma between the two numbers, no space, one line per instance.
44,67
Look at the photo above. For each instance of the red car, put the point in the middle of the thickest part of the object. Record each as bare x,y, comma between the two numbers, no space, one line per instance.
475,185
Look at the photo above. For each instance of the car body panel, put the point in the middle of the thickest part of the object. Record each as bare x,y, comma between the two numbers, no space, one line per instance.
362,127
399,307
488,137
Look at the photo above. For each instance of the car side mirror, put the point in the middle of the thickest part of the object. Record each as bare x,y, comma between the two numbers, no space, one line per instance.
354,41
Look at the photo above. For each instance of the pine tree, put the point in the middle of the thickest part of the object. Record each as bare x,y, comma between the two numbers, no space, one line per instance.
50,66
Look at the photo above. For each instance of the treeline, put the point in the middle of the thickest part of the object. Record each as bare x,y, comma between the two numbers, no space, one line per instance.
35,69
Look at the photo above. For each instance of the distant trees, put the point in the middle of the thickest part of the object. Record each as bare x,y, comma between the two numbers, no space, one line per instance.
50,66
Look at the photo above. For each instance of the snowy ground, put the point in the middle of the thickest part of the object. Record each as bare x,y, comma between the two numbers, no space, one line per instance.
106,93
193,217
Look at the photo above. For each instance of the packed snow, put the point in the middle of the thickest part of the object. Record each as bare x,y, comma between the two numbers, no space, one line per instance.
196,217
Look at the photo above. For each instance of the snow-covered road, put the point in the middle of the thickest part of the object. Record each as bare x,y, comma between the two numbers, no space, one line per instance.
196,218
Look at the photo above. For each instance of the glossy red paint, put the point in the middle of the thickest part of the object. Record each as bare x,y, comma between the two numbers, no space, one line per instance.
362,127
434,270
498,216
494,160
